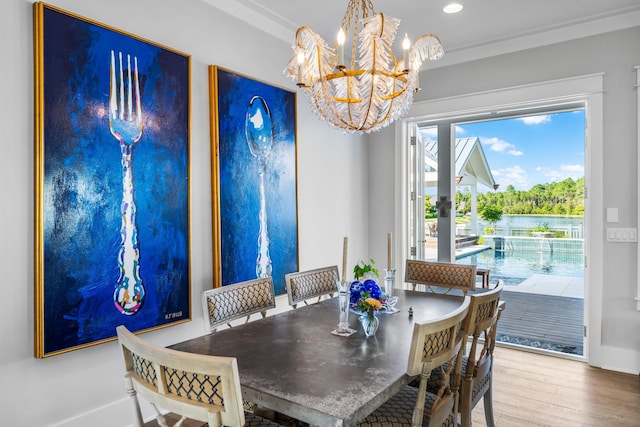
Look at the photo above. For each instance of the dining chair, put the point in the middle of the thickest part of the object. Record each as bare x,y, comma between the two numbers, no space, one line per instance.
305,285
191,386
474,377
477,366
442,275
230,302
435,345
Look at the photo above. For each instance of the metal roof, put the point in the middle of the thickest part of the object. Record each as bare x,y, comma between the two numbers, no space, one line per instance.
471,163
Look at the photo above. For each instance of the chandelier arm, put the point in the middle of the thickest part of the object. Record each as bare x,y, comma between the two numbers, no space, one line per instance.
336,120
327,93
349,109
392,98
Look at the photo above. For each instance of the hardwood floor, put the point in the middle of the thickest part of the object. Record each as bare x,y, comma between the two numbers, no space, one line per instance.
532,389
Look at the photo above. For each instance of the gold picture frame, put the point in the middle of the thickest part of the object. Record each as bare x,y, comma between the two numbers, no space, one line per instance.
253,179
111,228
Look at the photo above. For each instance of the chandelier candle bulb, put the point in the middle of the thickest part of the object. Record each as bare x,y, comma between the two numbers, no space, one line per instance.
406,44
340,56
300,75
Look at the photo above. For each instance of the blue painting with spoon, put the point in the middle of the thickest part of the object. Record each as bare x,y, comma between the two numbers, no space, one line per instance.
254,178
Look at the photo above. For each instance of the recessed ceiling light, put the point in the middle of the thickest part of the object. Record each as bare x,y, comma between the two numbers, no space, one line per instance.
452,8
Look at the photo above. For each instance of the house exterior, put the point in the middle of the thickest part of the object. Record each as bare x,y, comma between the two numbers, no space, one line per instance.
471,168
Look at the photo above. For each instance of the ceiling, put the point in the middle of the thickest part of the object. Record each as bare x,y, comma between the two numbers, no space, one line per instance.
484,28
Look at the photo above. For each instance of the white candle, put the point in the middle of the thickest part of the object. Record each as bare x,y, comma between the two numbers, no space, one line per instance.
389,250
406,44
344,259
300,74
340,55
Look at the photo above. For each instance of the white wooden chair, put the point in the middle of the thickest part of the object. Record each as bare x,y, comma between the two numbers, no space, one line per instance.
231,302
193,386
435,345
227,303
305,285
443,275
477,367
473,374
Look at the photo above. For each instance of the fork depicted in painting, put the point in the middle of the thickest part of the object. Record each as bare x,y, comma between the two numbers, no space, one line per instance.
125,123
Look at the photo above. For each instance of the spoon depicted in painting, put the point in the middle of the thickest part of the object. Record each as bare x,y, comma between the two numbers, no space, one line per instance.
259,134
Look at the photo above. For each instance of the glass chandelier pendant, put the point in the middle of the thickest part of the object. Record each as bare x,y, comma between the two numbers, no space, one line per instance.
370,88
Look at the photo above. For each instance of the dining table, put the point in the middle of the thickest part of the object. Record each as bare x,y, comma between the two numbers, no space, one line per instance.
292,364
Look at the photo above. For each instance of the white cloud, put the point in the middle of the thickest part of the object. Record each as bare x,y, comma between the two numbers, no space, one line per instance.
535,120
501,146
573,169
515,175
430,133
563,172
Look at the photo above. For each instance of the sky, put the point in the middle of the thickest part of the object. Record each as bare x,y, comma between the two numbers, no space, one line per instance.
531,150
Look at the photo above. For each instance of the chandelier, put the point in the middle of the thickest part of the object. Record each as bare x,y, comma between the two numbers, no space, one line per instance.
368,88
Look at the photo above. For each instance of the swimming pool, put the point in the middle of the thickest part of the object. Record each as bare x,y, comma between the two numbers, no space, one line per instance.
523,257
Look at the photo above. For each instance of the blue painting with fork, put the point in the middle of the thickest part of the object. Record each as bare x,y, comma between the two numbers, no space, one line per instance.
114,192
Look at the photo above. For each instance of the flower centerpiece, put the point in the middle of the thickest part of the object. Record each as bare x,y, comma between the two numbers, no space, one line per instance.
366,297
370,306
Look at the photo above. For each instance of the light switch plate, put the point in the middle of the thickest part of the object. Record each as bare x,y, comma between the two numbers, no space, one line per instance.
622,234
612,215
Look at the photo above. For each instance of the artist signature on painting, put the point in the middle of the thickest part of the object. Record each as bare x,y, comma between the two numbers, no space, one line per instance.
174,315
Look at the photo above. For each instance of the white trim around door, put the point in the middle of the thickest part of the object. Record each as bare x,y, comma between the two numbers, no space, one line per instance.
586,90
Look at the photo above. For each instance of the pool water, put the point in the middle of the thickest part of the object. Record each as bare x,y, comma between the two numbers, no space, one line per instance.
514,266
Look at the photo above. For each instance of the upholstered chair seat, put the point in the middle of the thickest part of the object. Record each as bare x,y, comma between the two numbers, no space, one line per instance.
398,411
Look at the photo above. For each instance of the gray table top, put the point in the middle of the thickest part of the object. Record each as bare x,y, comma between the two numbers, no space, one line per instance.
291,363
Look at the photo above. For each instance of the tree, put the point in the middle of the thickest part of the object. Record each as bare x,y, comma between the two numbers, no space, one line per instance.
492,214
463,202
430,210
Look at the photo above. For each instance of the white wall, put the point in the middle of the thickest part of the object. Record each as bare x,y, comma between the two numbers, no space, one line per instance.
85,387
615,54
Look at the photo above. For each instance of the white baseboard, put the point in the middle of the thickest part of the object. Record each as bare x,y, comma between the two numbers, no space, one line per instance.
620,360
115,414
